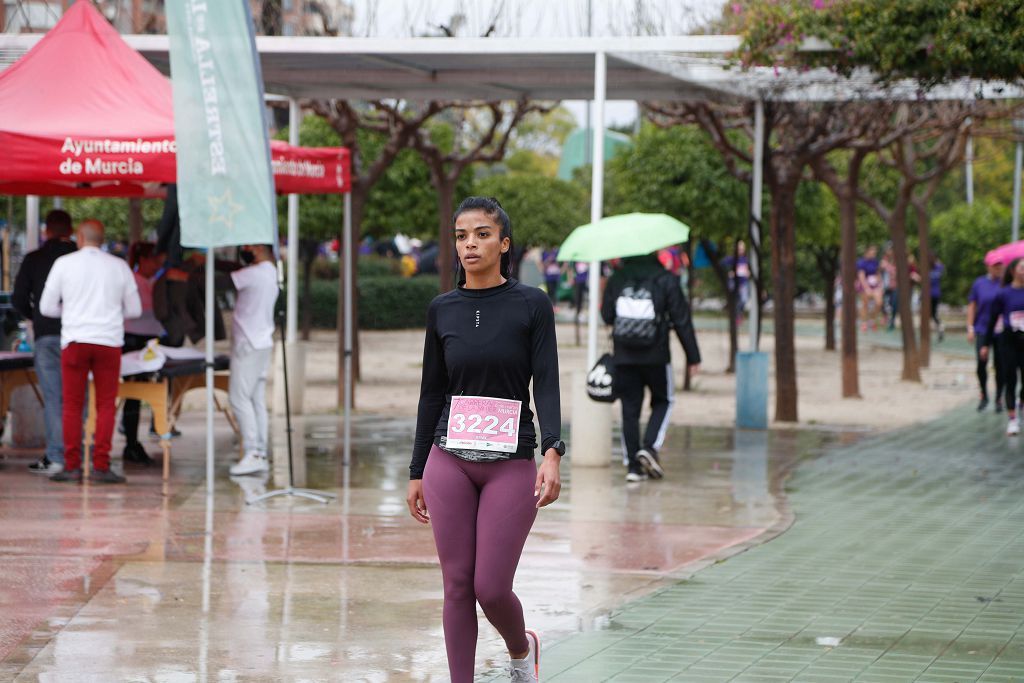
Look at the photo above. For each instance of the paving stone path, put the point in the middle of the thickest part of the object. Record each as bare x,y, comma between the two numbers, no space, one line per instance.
905,563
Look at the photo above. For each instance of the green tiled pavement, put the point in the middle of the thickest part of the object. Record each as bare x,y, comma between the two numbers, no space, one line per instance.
908,549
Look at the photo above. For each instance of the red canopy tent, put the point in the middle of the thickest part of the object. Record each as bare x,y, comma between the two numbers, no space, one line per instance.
82,113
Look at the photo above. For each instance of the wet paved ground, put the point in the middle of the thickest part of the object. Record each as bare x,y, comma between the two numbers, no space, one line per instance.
905,563
154,583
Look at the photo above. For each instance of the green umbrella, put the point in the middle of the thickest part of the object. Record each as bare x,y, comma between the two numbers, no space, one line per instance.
631,234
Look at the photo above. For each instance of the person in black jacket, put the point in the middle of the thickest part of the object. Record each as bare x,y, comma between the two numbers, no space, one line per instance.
28,288
641,301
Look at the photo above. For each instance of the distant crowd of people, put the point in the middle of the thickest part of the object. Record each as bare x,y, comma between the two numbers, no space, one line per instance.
878,289
88,307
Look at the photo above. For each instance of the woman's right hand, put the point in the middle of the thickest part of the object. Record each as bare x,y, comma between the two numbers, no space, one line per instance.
414,499
983,354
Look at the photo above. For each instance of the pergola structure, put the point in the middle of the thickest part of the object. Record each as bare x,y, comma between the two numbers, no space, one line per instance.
693,68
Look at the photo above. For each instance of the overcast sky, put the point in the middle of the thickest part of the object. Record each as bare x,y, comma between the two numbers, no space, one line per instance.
539,18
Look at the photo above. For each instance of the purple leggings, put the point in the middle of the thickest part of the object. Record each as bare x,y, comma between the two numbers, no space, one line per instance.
481,513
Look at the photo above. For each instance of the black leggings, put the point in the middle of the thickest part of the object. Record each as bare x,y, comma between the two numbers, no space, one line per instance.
996,351
1013,355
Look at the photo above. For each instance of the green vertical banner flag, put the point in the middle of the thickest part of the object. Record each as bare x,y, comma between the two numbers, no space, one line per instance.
225,184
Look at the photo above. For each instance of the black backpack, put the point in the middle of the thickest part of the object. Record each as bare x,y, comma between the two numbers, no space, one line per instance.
638,316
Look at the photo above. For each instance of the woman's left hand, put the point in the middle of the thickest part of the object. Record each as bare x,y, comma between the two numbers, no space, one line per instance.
549,481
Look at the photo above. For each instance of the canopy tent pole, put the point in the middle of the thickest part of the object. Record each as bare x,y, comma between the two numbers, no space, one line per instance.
596,201
969,167
1018,161
346,249
31,222
757,181
210,312
590,424
292,310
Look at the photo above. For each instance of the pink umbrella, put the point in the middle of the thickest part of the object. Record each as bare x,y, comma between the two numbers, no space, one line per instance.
1005,253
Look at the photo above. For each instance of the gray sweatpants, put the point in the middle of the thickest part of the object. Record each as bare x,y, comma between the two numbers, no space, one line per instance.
247,395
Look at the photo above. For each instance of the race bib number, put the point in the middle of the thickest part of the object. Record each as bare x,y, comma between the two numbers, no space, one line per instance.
1017,321
484,424
743,271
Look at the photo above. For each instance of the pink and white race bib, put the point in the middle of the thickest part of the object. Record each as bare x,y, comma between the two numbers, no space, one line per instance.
1017,321
484,424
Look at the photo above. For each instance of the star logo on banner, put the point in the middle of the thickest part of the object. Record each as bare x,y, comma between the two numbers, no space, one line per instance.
223,209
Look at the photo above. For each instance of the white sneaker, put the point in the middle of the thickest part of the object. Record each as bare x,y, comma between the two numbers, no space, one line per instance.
527,669
1013,427
252,463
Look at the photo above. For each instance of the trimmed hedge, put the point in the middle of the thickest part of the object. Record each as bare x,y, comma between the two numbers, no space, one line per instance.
385,303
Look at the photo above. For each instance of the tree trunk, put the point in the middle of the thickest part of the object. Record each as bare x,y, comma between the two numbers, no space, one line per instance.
783,276
925,259
349,261
898,232
848,275
134,220
445,208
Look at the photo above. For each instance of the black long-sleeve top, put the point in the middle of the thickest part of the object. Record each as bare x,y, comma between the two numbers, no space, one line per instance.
28,286
489,342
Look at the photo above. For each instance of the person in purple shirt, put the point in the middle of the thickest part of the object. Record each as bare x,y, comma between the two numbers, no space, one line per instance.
869,284
1008,308
979,312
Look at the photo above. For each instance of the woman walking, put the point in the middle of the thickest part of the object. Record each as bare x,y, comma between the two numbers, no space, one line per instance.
979,312
472,475
1008,305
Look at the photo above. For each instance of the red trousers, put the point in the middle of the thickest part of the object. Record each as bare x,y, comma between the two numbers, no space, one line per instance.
76,362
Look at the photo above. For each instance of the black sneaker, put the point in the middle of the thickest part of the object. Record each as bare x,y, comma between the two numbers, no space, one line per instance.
983,403
74,475
999,407
106,477
134,452
649,461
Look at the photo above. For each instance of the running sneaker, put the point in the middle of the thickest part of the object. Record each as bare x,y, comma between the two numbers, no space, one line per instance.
983,403
527,669
252,463
649,461
1013,427
44,466
636,474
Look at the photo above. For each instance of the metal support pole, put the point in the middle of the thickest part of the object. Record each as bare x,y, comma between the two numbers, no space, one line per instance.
969,168
596,202
1018,162
31,222
292,305
346,249
757,181
210,266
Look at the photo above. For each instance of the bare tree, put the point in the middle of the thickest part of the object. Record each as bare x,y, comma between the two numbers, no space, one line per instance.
398,122
921,155
796,134
482,138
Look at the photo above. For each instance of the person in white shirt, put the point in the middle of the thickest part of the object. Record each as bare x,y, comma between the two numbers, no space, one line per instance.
252,342
92,293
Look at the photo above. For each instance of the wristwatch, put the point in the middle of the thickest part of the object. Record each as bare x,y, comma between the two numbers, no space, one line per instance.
558,446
